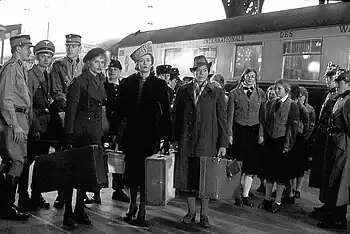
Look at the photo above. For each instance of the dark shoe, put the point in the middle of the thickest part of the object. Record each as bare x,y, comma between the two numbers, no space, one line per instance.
261,189
59,203
251,194
68,219
141,222
131,214
246,201
39,202
317,212
296,194
70,222
189,218
84,219
120,196
328,223
204,221
275,207
239,202
14,214
265,205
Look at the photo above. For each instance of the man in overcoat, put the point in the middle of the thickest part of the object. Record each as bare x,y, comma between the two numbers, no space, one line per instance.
200,130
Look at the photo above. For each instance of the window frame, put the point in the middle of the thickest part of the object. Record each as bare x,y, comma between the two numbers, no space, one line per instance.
301,54
260,43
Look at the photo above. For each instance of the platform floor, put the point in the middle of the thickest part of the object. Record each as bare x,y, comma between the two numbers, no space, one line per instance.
224,216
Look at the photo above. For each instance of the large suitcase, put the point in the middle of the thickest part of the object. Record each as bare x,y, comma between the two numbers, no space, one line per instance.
116,162
160,179
215,180
84,167
50,171
89,166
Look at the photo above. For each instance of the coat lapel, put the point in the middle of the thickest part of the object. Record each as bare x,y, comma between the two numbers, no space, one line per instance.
190,91
40,76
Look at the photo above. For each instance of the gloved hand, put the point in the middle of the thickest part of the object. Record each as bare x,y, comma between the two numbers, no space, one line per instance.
166,147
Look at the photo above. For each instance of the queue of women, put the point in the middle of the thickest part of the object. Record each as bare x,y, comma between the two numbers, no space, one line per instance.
270,134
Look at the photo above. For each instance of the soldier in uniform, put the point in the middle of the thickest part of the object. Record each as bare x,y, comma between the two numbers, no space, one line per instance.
39,86
63,72
336,170
15,107
163,72
113,106
318,158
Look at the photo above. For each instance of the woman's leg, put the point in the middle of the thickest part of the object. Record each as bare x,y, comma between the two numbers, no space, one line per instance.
247,184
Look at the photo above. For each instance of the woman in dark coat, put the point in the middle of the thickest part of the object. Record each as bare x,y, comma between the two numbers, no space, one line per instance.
145,105
245,110
280,125
336,171
200,129
83,122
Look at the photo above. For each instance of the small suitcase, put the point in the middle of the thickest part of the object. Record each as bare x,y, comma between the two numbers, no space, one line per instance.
216,181
160,179
116,162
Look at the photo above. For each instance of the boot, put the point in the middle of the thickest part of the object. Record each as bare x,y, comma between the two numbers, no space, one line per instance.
68,216
79,214
8,193
23,201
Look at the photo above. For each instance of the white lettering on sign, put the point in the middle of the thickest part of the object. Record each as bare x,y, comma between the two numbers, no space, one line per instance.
344,28
224,39
286,34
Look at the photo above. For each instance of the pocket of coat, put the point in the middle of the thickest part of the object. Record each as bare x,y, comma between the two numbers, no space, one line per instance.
21,86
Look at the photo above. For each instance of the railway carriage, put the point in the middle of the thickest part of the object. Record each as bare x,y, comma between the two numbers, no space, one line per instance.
294,44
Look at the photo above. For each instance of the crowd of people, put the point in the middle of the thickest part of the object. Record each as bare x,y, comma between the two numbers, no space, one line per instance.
67,103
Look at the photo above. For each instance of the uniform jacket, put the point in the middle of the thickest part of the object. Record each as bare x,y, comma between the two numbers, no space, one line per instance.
243,110
63,72
147,113
40,88
13,90
283,122
83,117
336,169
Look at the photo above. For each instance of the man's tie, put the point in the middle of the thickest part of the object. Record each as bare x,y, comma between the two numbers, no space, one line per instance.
249,90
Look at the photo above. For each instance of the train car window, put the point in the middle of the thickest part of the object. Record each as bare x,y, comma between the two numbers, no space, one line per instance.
173,57
302,59
247,56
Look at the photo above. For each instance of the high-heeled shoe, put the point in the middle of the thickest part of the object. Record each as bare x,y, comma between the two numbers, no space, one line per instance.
141,222
131,214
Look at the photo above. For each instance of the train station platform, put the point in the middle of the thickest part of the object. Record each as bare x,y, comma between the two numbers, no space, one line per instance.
224,216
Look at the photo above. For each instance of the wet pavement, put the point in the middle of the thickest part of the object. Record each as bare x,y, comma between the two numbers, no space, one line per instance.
224,216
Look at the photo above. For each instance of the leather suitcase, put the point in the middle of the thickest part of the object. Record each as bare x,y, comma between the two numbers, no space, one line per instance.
50,171
160,179
215,180
116,162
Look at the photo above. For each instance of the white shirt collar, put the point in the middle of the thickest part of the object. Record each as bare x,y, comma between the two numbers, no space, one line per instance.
284,98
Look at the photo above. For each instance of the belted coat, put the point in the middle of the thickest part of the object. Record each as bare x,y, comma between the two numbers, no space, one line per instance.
200,129
336,169
85,99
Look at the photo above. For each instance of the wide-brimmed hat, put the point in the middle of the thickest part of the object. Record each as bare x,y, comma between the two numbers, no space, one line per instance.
199,61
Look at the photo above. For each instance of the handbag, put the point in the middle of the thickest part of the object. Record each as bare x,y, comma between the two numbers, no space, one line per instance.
232,168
